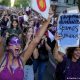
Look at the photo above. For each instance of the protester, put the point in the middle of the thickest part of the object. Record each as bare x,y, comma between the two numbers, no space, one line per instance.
28,68
41,62
4,24
14,29
19,53
68,66
12,64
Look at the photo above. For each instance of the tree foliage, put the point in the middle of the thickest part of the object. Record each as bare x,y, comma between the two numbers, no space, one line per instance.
24,3
5,2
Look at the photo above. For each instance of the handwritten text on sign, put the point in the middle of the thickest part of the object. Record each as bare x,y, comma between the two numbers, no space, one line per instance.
68,28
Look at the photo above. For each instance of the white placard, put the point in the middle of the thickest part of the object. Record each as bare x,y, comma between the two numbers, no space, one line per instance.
41,6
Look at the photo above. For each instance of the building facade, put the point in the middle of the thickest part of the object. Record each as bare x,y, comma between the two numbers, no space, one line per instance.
62,5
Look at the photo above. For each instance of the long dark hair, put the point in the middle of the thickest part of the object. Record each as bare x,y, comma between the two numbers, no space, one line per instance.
12,24
24,37
70,51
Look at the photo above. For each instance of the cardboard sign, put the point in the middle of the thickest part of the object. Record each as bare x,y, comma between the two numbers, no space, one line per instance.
68,28
41,6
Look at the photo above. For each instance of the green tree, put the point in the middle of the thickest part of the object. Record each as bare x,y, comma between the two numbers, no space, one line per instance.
24,3
17,3
5,2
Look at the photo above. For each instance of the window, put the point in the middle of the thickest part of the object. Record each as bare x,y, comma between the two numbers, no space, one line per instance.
70,1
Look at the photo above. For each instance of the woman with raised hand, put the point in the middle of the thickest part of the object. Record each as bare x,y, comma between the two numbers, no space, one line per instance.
11,67
28,68
68,66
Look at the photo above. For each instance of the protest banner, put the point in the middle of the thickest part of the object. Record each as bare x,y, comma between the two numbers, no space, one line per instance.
41,6
69,29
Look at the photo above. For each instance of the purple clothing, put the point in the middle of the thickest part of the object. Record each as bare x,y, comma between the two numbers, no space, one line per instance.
68,70
73,72
6,74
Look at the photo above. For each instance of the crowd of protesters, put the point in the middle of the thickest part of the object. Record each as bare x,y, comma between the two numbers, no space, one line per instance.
26,49
19,30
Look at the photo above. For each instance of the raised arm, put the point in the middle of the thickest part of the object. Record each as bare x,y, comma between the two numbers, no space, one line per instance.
1,48
35,41
57,54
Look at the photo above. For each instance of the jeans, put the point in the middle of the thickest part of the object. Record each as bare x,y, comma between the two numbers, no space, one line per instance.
28,72
41,66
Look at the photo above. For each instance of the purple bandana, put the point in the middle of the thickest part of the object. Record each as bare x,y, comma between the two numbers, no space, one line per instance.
15,41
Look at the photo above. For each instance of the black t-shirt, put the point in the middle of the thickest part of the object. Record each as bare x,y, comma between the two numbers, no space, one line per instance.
43,53
29,61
